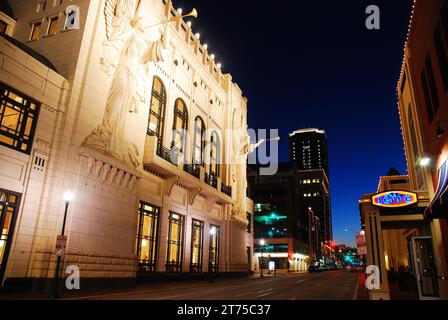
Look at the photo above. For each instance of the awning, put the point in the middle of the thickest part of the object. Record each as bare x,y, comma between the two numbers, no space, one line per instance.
439,205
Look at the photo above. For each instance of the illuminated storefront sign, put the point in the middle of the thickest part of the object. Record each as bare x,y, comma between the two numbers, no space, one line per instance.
394,199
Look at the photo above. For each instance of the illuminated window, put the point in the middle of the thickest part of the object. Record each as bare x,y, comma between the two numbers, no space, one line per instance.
197,239
147,235
215,155
18,117
3,26
175,242
52,26
157,110
36,30
249,223
214,249
198,141
8,209
179,125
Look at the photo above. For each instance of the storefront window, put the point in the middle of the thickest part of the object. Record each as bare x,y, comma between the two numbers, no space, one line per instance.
175,242
197,235
147,237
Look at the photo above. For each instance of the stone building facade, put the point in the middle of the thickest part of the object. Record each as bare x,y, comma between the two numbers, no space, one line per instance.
120,103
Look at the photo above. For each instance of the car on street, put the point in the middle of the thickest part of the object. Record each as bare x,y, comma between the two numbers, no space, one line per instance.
314,269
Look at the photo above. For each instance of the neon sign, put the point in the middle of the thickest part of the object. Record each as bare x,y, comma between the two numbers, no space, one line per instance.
394,199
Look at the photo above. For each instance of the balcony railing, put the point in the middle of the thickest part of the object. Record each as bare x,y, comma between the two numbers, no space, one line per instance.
192,169
165,154
211,179
226,190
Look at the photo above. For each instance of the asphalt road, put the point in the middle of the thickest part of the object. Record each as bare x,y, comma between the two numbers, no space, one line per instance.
340,285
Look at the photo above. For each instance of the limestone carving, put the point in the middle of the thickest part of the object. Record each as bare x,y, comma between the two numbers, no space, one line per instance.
132,45
241,149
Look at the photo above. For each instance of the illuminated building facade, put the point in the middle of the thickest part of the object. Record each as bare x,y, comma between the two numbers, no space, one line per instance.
399,239
277,220
130,115
308,152
422,93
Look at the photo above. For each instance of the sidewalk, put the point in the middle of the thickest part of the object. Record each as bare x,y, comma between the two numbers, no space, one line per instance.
361,292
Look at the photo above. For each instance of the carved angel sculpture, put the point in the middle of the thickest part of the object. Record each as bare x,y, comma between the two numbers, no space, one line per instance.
130,47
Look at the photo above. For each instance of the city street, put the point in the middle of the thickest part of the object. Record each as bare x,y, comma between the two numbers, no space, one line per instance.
293,286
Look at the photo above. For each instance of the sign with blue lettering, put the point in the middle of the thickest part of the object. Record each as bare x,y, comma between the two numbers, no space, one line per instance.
394,199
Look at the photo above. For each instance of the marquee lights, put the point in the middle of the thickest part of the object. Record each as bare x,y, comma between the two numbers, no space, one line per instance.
394,199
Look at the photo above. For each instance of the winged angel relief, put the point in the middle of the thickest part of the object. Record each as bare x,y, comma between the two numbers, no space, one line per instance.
131,45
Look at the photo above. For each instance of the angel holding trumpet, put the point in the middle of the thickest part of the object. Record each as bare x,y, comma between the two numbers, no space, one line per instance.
133,43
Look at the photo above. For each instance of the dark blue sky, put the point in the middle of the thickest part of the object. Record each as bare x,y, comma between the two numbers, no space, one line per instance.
314,64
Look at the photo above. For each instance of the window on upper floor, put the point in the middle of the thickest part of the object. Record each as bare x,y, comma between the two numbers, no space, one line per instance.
445,21
3,26
52,25
198,141
18,118
157,110
36,30
441,56
429,89
412,133
214,154
41,6
179,125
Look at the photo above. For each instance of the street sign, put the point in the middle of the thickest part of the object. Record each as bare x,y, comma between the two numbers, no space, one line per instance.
271,265
61,242
361,243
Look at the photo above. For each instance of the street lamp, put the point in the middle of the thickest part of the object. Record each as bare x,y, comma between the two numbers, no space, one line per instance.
425,161
262,243
68,197
210,273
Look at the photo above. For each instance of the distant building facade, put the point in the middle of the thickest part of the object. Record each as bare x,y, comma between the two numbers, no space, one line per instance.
132,121
278,221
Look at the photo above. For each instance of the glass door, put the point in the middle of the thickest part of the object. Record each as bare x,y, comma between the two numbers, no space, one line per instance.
423,267
8,208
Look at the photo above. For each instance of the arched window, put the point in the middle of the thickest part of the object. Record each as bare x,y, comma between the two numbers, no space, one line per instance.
157,110
214,154
179,125
198,142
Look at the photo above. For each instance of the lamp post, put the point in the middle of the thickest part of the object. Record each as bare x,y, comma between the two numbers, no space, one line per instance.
210,272
68,197
261,260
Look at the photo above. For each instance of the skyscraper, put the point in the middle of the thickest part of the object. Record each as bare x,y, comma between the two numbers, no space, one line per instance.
308,152
308,149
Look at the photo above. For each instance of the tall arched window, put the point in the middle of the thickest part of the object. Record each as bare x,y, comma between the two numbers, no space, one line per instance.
157,110
214,154
179,125
199,142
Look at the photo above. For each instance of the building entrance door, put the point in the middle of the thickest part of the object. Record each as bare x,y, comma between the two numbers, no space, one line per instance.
423,267
9,203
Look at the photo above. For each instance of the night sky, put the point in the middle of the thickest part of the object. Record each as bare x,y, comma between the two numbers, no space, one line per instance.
314,64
